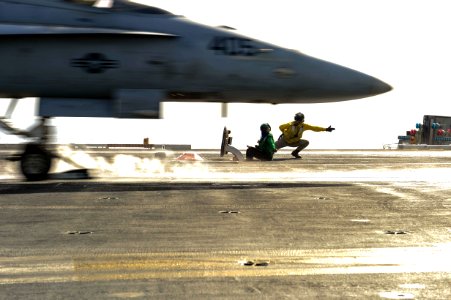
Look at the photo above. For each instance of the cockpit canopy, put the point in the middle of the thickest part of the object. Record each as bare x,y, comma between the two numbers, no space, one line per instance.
122,6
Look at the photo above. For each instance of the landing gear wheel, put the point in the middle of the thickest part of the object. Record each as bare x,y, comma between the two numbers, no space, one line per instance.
35,163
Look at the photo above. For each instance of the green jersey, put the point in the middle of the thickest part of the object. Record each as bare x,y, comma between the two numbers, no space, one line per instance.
266,145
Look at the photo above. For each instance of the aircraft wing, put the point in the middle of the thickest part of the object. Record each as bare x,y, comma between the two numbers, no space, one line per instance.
27,30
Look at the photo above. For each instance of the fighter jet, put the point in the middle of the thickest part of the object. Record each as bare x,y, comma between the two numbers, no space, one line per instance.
123,60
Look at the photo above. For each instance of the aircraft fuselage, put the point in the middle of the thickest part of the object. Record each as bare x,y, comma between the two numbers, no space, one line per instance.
61,50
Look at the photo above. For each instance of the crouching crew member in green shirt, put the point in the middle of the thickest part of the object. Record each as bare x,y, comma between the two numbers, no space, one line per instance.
266,146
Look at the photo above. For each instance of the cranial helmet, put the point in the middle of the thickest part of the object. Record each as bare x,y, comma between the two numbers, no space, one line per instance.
299,117
265,126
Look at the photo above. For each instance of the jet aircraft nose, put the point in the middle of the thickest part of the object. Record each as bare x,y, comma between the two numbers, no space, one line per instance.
326,81
379,87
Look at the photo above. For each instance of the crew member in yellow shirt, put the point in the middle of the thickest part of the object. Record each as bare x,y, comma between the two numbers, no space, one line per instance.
292,134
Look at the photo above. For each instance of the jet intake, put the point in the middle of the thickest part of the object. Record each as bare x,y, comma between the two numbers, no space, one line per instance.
134,104
138,103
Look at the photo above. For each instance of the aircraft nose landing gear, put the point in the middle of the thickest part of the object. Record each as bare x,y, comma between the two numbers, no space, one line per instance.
35,162
38,155
36,159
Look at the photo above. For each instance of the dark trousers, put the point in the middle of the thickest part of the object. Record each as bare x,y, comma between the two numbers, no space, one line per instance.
301,145
254,152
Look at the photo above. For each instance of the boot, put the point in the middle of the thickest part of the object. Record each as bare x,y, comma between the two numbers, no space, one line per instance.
296,154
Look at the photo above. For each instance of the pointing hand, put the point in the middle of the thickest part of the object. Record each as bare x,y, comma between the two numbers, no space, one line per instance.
330,129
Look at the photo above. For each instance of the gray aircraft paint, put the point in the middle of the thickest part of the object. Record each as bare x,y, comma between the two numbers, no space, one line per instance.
88,61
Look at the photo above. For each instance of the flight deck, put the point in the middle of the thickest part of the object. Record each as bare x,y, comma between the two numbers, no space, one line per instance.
335,224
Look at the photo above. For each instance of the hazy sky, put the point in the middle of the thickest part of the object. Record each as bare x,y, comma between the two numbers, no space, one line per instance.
402,42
